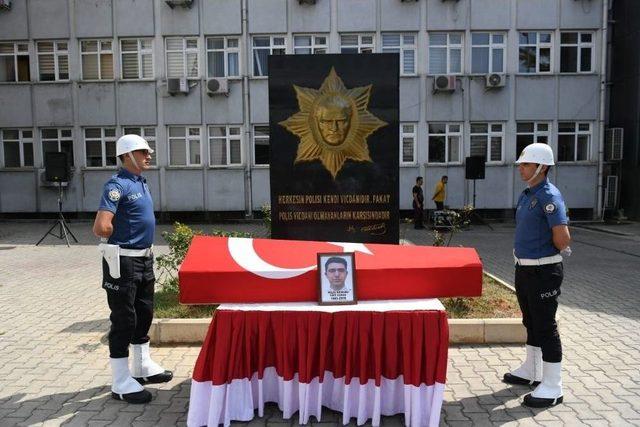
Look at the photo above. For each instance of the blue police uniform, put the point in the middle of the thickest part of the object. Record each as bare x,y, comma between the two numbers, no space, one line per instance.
539,269
130,296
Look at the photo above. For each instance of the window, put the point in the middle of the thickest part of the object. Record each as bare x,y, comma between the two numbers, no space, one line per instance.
263,46
530,132
17,147
184,146
261,145
57,140
356,43
223,55
486,141
309,44
14,62
182,57
445,53
444,143
136,59
405,45
148,133
576,52
97,59
53,61
574,140
407,143
225,146
487,53
100,147
535,52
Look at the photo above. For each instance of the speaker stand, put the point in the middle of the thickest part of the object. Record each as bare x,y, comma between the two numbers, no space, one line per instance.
474,214
64,230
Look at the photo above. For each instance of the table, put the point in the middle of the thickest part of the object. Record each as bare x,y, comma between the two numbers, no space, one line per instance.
366,360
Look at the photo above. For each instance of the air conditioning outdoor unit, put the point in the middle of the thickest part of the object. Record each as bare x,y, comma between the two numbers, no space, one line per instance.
177,85
306,1
611,192
614,143
181,3
444,83
5,4
495,80
217,86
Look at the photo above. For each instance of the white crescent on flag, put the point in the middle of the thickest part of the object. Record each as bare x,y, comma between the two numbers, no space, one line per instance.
244,254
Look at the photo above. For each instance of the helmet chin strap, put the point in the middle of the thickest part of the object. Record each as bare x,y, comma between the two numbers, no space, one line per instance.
538,169
133,160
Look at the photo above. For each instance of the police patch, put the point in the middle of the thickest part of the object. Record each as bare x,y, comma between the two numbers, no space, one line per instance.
533,203
114,195
550,208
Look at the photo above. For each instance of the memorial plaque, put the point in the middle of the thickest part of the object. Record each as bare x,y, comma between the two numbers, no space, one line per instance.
334,147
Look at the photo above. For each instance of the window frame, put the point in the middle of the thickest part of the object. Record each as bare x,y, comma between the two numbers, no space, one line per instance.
151,139
491,46
140,53
489,134
313,46
56,53
414,135
447,135
184,51
538,45
360,45
103,139
261,137
15,54
579,46
227,138
402,48
448,47
576,134
226,51
59,139
22,140
536,133
272,46
99,52
187,139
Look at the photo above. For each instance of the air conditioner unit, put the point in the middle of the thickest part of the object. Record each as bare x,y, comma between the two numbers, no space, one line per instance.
611,192
306,1
217,86
444,83
614,143
5,4
181,3
495,80
177,85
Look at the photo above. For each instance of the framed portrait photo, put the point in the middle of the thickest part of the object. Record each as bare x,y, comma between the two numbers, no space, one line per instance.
336,278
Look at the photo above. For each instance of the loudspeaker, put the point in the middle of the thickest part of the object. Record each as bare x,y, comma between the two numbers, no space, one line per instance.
474,167
56,167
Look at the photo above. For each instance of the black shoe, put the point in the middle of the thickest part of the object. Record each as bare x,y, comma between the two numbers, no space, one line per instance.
163,377
514,379
540,402
138,397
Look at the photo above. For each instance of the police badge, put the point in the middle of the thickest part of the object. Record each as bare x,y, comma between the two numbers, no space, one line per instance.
550,208
114,195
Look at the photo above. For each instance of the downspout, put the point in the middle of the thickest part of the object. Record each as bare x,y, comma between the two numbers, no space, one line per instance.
246,113
603,92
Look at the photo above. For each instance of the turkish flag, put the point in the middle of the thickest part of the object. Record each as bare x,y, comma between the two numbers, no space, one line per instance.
221,269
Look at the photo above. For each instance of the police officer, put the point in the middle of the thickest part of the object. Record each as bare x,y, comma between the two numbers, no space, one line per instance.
542,234
125,217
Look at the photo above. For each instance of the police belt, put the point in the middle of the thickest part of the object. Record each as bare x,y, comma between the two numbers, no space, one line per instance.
540,261
137,252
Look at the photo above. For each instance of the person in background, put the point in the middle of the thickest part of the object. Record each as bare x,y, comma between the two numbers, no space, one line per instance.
440,193
418,204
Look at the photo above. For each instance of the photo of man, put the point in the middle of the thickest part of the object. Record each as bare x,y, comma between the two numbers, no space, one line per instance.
337,285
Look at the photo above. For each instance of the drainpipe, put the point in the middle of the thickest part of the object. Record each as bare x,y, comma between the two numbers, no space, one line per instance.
246,113
603,92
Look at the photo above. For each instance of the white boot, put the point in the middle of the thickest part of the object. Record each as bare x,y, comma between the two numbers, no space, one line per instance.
549,392
124,387
144,369
530,372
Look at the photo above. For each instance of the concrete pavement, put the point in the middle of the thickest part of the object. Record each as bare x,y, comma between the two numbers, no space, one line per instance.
54,317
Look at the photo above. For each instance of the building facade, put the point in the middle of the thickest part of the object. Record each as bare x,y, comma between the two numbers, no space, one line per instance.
478,77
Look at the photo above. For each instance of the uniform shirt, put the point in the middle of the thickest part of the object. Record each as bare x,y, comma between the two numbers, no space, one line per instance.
127,196
439,192
539,209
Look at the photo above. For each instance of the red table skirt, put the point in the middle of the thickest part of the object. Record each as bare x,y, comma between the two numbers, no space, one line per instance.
362,363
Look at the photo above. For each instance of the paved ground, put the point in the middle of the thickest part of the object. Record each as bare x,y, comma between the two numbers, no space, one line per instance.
54,361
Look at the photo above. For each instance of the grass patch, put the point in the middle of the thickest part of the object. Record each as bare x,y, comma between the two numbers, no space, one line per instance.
496,301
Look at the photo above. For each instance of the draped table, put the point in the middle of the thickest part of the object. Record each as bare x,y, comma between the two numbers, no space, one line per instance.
366,360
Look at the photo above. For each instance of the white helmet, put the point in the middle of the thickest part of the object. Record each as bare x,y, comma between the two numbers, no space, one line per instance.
536,153
128,143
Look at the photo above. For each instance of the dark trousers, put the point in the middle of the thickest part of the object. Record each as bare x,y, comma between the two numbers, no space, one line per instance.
417,216
439,205
130,299
538,289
